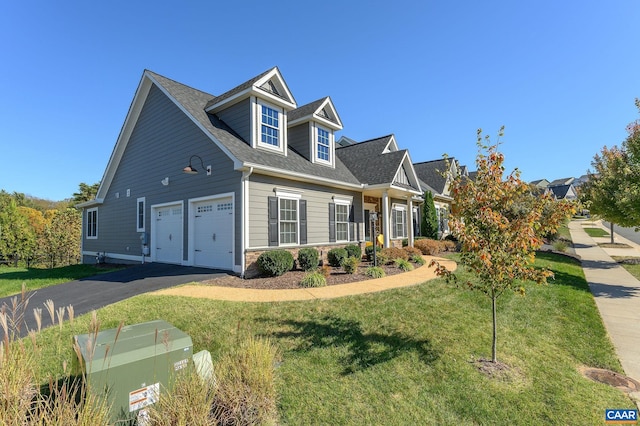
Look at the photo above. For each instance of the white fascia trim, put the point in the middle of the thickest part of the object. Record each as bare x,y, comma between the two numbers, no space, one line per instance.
301,177
392,146
125,133
329,103
90,203
288,193
275,72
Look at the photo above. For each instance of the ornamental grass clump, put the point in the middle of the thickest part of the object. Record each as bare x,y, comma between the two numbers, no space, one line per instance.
418,259
374,272
403,265
313,279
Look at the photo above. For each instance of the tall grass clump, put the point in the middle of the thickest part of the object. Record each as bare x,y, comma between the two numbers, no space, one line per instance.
403,265
313,279
23,400
245,392
374,272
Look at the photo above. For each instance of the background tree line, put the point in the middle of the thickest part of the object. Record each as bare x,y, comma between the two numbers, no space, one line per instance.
38,232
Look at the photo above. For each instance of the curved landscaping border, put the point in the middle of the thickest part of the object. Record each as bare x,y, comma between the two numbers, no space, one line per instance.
406,279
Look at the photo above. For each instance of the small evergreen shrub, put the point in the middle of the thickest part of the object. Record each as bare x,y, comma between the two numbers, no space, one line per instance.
417,259
336,256
308,258
350,265
313,279
275,262
403,264
368,251
388,255
375,272
354,250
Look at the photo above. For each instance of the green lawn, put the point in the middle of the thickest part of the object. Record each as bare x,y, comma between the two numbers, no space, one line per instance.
405,356
596,232
11,278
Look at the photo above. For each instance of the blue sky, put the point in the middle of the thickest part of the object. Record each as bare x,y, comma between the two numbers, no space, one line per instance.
561,76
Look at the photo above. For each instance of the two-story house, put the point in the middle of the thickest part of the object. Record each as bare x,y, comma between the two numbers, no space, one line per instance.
213,181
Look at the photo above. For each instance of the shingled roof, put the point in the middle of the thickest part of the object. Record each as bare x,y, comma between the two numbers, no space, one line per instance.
431,172
194,102
368,161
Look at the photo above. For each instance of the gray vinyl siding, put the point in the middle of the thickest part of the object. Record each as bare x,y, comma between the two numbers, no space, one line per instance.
238,117
318,198
160,146
299,139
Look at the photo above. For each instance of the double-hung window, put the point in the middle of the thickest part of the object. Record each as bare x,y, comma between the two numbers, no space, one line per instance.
342,222
399,222
92,224
323,145
288,220
270,126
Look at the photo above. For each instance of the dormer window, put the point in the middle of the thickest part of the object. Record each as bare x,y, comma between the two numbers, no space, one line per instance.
270,130
323,145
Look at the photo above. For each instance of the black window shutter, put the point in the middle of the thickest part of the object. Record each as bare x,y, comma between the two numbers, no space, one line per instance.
352,225
332,222
273,221
394,228
303,221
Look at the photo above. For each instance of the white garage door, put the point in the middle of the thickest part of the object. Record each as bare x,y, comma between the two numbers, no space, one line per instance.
168,234
213,233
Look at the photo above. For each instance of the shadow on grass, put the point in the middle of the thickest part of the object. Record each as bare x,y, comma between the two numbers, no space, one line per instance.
365,350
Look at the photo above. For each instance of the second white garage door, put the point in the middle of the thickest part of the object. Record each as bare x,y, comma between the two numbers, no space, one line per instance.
213,233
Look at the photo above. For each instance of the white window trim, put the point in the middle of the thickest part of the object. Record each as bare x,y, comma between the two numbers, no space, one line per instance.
282,118
292,197
402,208
342,202
87,236
144,214
314,138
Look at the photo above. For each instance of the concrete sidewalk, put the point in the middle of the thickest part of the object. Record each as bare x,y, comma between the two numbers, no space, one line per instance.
616,292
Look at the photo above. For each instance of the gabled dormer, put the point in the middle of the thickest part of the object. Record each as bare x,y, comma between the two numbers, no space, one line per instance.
312,130
392,145
257,110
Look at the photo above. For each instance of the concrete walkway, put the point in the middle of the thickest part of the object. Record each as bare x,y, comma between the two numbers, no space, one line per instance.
417,276
616,292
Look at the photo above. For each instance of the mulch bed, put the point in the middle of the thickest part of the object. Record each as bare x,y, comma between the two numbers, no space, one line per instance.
291,279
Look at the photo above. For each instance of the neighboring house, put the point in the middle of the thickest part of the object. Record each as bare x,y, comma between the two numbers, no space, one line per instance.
436,176
262,173
540,183
563,192
563,181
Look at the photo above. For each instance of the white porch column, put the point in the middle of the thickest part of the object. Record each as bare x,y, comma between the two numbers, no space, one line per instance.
410,221
386,218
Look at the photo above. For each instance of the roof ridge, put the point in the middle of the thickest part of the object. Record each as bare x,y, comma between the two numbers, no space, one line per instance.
177,82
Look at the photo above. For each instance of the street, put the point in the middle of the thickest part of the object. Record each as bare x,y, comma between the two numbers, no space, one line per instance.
628,233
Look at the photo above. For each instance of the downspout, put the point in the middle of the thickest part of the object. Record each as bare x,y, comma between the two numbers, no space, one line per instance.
245,218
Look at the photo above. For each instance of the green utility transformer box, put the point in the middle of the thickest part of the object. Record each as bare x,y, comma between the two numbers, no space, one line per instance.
131,366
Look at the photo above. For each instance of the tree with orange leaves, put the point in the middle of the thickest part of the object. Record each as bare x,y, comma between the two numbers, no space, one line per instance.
500,224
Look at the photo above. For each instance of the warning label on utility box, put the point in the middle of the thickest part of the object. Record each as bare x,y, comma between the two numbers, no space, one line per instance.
142,397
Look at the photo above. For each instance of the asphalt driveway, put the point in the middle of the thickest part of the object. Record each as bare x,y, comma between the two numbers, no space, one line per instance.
95,292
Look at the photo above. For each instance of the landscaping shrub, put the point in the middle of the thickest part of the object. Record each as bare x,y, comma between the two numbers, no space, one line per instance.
450,245
560,245
313,279
354,250
325,270
350,265
429,247
336,256
308,258
246,391
388,255
368,251
417,259
375,272
412,250
403,265
275,262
